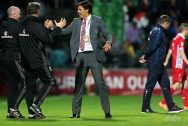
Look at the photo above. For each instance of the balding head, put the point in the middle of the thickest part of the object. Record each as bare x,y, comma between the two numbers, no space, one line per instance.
13,12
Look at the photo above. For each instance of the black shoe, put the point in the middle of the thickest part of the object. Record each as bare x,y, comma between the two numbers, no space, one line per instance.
75,116
10,116
147,110
42,115
176,109
20,115
34,116
37,110
14,113
108,115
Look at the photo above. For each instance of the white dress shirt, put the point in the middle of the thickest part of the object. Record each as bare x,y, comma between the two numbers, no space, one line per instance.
88,46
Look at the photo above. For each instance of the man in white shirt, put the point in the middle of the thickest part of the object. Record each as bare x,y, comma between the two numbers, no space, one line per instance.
88,53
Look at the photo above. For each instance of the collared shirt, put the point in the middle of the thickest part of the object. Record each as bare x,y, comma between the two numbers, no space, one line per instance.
88,46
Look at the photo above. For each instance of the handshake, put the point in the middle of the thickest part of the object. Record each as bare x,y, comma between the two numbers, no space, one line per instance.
49,23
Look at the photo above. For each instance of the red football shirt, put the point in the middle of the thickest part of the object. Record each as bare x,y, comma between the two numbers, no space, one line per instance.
178,43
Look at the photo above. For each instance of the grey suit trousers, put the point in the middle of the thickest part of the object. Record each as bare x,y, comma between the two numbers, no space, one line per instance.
84,62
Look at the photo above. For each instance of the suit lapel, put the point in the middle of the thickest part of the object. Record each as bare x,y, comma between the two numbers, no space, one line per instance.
79,24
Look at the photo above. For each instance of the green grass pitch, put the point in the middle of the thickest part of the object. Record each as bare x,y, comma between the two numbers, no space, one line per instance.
126,111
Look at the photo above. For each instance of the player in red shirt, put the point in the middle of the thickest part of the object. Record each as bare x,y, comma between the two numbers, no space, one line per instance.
179,62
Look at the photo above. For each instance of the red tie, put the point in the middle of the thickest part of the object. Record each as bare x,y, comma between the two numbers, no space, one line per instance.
82,43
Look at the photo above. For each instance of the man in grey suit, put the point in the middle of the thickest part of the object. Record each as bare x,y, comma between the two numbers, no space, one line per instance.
88,53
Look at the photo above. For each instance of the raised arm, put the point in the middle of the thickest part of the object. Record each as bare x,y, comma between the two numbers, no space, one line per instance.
42,33
68,29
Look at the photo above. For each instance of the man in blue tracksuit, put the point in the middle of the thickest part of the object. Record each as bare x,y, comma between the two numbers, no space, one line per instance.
155,56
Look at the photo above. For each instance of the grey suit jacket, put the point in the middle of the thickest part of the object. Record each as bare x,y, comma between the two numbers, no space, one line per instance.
97,28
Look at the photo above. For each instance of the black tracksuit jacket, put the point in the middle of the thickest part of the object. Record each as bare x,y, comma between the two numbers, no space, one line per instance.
33,39
9,39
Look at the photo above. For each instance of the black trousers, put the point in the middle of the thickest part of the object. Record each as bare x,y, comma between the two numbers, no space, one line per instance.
45,75
16,85
157,73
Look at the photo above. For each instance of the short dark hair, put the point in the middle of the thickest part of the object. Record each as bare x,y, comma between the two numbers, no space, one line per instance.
33,7
86,5
183,26
163,19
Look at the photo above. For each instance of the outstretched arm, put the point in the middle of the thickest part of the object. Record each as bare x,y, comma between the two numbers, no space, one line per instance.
68,29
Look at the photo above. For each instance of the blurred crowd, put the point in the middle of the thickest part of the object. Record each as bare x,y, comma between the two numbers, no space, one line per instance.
138,17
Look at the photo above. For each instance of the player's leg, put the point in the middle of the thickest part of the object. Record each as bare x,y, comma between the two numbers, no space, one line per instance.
177,75
80,78
45,75
18,73
174,87
103,92
30,92
17,88
185,93
12,87
164,82
152,77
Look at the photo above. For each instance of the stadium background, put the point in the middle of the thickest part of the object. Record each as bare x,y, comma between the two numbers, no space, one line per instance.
129,22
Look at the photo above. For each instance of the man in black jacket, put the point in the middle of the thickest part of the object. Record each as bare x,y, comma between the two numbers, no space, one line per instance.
10,59
34,35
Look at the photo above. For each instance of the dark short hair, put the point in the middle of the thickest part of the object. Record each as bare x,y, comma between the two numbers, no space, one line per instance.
33,7
183,26
86,5
163,19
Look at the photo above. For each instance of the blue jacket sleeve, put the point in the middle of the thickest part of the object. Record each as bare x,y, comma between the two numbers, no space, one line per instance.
154,41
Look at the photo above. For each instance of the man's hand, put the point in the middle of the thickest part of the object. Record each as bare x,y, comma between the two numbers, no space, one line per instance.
165,63
107,47
48,24
142,60
61,23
